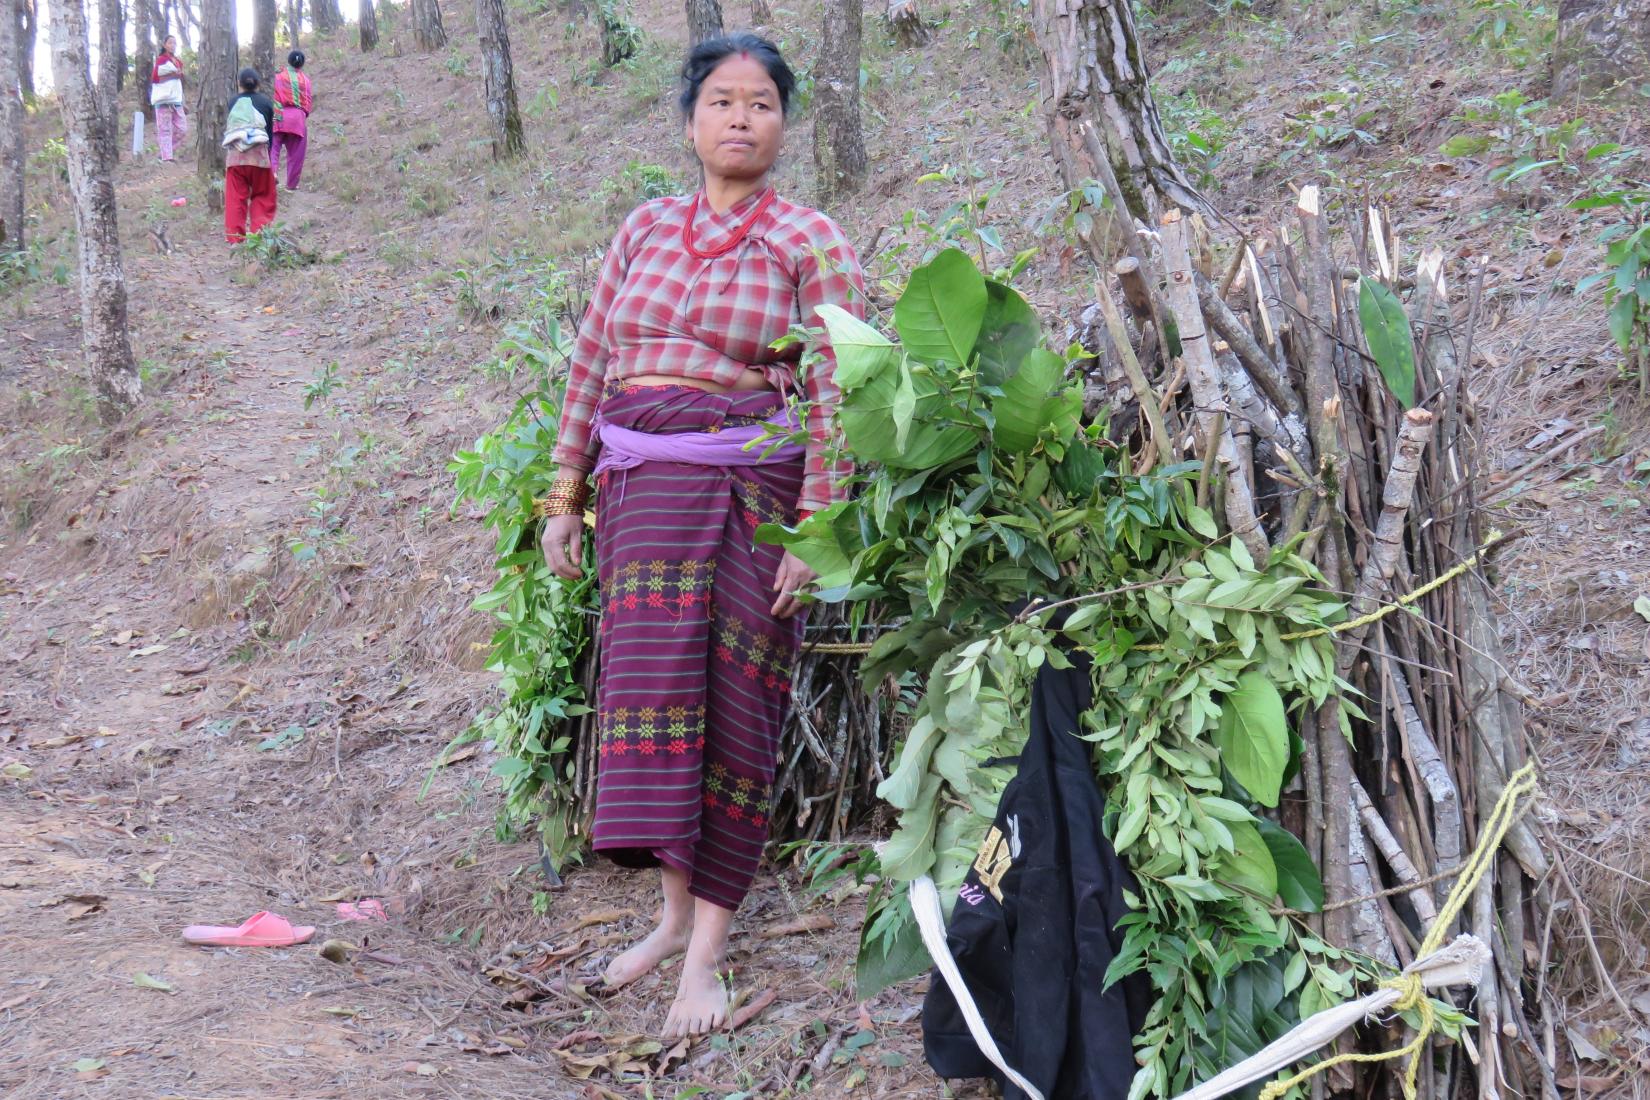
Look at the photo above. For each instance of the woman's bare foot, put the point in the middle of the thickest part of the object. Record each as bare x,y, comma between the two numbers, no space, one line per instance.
701,1003
672,937
664,941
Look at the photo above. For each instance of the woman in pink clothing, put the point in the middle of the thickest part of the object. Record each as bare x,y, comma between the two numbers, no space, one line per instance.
166,95
296,98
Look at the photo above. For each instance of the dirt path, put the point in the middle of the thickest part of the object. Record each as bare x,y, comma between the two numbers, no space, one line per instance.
196,726
142,809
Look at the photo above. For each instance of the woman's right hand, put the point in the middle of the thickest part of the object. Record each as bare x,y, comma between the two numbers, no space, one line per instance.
563,544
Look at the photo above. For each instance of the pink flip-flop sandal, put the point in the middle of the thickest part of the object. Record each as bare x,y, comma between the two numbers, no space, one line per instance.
263,929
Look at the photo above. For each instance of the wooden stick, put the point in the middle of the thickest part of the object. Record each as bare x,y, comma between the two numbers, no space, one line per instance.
1336,760
1393,853
1387,542
1371,933
1447,835
1205,476
1321,386
1137,377
1136,292
1265,373
1207,391
1233,267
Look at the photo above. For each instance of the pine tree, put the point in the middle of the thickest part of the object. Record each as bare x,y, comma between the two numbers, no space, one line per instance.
104,337
498,80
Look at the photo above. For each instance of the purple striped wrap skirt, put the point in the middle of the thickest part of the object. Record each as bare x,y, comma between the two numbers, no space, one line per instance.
695,670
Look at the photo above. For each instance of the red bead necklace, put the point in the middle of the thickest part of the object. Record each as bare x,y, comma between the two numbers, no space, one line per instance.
732,242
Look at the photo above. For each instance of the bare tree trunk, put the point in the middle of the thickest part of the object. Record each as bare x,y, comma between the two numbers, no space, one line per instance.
189,28
110,47
263,37
219,63
143,62
761,12
103,334
295,24
839,140
907,23
1600,43
1096,78
497,79
28,27
618,36
704,19
427,28
369,26
325,15
11,134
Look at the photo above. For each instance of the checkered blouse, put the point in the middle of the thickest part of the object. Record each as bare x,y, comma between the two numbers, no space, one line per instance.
656,309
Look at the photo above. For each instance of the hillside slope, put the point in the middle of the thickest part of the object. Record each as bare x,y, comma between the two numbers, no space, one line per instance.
277,518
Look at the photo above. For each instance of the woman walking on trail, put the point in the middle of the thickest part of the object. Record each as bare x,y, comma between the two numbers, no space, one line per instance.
296,97
248,183
166,96
671,378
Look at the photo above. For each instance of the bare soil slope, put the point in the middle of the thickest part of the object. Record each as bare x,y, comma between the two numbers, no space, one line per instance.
234,632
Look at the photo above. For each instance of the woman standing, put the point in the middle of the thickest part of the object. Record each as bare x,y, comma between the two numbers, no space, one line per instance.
671,377
248,183
166,96
291,135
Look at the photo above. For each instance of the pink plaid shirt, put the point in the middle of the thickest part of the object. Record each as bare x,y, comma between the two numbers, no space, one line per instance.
656,309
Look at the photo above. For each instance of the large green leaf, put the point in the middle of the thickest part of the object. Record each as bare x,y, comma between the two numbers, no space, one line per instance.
1035,399
819,541
901,787
939,315
1386,328
1080,470
894,418
1621,317
1008,332
1252,737
1299,884
909,852
861,351
881,965
956,845
1251,866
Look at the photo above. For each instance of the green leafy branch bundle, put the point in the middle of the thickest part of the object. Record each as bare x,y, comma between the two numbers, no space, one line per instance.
983,505
544,622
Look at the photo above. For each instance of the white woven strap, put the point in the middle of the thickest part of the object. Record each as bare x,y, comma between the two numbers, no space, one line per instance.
1460,962
925,903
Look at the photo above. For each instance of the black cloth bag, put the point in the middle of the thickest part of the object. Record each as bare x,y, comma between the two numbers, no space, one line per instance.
1035,924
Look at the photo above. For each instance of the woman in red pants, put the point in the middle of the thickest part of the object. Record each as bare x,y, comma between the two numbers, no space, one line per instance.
248,182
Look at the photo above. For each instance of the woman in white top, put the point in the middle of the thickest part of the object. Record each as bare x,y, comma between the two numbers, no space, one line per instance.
166,94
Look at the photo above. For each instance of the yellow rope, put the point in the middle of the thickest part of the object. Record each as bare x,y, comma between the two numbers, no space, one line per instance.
831,648
1382,612
1412,992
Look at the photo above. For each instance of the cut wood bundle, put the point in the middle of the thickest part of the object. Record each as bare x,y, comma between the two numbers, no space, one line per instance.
1332,415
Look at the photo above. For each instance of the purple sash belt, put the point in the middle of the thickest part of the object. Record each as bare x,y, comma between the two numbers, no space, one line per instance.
625,448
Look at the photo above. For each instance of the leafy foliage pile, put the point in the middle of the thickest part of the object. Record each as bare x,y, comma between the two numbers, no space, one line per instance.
997,532
543,630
